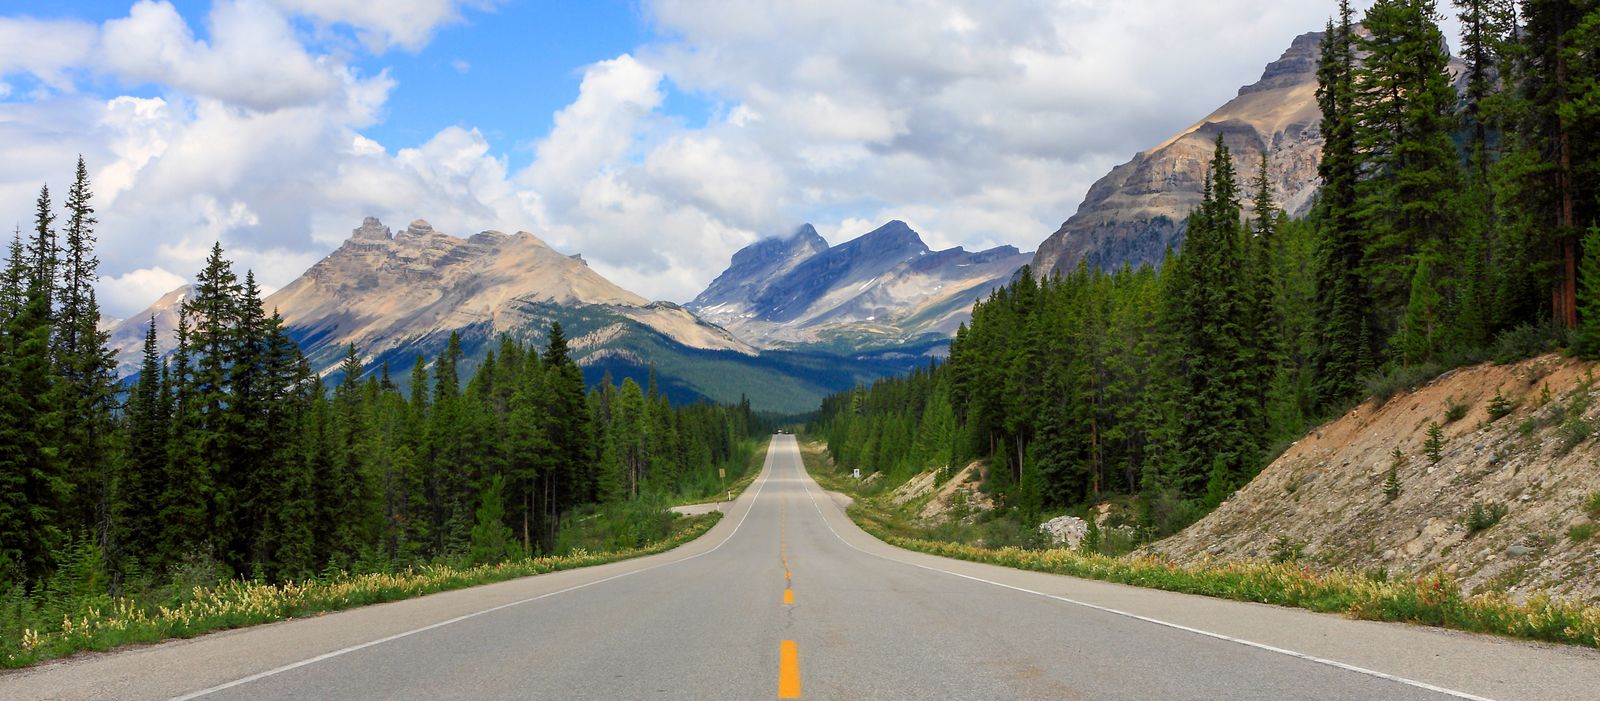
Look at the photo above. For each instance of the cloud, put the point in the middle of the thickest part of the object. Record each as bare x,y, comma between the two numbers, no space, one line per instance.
978,123
136,289
598,128
409,24
253,58
49,50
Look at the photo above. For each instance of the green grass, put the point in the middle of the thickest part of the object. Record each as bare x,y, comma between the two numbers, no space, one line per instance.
1433,600
1581,532
111,623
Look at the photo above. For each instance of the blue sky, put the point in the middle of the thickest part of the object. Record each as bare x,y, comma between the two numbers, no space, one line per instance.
505,70
655,137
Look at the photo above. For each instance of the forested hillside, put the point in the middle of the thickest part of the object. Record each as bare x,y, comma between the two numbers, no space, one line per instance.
233,457
1447,230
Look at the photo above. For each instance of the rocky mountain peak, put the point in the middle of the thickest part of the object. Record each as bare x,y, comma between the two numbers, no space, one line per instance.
1297,65
418,228
371,230
884,287
894,236
804,242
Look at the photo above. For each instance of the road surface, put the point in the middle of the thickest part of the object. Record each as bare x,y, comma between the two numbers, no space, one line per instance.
787,598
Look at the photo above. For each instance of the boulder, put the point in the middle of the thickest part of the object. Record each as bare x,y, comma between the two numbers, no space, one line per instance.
1065,530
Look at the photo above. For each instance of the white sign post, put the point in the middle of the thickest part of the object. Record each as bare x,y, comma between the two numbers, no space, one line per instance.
856,473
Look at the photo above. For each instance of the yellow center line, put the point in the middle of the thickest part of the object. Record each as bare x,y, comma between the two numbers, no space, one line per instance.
788,670
788,597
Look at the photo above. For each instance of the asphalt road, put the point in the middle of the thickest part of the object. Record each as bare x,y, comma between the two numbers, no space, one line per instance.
787,598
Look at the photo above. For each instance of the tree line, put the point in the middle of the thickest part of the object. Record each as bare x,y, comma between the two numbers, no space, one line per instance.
231,451
1449,228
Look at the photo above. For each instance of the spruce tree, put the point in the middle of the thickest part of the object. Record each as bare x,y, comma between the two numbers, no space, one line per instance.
1344,352
144,462
1586,341
40,489
492,541
87,368
1405,110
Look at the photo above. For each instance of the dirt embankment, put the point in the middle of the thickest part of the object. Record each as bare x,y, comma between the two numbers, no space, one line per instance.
1329,499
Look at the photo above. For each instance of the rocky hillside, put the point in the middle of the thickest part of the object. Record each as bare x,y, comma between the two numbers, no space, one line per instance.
1135,211
881,289
1534,456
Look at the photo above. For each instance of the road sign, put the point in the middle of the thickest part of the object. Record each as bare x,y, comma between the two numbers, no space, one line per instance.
856,473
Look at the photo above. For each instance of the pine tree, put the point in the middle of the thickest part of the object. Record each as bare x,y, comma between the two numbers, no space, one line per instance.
144,463
1391,483
1433,447
1586,341
1344,352
184,504
87,368
492,541
36,486
1405,112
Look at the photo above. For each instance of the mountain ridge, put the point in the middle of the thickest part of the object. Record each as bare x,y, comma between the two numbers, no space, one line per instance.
882,288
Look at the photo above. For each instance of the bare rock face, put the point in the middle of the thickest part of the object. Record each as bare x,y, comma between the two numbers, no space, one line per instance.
1137,210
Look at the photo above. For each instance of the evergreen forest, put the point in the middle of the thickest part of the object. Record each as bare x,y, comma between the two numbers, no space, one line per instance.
1458,221
230,458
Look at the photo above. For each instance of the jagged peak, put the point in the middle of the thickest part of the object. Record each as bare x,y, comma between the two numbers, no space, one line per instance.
371,229
1297,65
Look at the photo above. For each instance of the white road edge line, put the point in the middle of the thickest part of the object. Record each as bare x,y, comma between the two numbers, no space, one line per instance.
1147,619
353,648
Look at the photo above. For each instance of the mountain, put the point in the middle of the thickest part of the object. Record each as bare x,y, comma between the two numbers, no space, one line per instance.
882,289
1133,213
1137,210
388,293
127,335
400,295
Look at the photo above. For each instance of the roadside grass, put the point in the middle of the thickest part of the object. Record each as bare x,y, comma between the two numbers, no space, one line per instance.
1432,600
111,623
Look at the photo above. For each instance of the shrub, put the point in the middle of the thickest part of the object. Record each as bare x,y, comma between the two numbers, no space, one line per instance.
1527,341
1454,411
1384,385
1591,505
1581,532
1483,515
1286,550
1499,407
1576,427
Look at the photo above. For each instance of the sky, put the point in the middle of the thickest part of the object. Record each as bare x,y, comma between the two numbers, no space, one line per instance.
655,137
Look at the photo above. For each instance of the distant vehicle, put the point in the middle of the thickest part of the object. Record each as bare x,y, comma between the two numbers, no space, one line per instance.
783,431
